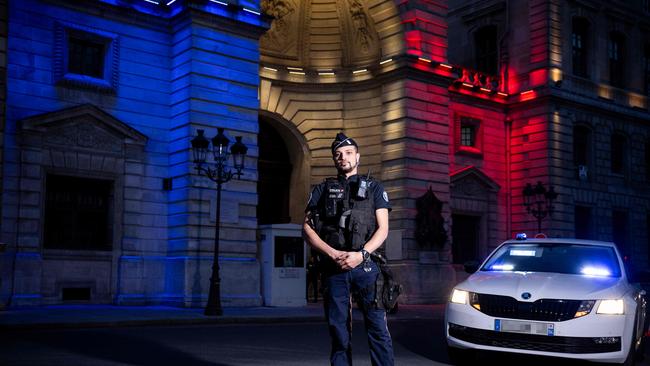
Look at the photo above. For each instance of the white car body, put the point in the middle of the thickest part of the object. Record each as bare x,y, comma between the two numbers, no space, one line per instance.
470,328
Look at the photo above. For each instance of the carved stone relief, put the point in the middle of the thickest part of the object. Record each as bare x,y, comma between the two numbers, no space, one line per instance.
281,40
470,187
430,230
358,28
85,135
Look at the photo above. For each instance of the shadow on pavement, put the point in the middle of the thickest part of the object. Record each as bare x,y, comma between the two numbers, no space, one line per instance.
427,340
120,348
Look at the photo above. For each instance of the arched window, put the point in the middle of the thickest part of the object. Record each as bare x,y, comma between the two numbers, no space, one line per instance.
485,48
618,153
616,53
579,44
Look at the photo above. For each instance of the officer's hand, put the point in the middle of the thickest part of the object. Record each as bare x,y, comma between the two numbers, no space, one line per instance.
336,254
350,260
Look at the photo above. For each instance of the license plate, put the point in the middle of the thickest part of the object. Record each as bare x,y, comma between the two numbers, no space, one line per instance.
516,326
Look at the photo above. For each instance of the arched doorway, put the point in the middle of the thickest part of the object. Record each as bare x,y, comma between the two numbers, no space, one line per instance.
273,185
283,182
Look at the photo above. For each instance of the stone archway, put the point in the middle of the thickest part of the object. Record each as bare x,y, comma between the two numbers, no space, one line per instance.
297,177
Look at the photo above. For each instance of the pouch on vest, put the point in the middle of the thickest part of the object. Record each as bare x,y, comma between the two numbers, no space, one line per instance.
334,195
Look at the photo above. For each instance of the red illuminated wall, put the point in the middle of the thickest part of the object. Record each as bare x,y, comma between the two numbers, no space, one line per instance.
425,28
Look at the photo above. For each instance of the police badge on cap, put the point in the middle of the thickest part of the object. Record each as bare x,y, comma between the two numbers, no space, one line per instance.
342,140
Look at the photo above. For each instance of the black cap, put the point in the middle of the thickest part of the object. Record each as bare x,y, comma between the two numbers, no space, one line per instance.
342,140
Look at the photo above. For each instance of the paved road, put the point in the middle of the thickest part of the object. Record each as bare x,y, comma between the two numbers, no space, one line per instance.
417,342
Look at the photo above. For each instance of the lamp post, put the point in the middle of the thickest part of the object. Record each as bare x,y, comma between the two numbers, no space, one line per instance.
220,175
539,201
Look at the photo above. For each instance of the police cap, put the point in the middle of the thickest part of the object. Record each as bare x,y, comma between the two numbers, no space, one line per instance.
342,140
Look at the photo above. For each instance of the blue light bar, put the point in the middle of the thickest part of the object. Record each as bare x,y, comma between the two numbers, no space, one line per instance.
595,271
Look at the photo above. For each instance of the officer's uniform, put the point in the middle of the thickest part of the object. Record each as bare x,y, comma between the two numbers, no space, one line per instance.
346,221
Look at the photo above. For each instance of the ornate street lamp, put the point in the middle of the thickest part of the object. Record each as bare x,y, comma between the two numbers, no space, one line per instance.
220,175
539,202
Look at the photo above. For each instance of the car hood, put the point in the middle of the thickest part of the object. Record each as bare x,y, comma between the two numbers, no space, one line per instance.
542,285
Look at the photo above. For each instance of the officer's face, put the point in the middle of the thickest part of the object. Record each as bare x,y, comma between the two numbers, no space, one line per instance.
346,159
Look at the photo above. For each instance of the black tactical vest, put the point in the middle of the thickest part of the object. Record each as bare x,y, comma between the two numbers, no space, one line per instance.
347,221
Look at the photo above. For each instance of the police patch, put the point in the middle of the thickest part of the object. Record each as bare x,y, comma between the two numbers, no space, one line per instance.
385,195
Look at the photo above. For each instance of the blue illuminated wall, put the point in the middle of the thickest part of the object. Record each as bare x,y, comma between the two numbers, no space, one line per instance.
174,69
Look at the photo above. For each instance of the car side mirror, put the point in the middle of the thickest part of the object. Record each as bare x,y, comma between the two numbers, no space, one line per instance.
471,266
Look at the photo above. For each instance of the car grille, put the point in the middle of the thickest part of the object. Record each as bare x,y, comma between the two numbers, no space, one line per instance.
532,341
544,309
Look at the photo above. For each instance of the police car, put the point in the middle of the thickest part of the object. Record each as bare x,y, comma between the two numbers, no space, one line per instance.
552,297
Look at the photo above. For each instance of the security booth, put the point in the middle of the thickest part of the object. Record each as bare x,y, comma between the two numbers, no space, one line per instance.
283,257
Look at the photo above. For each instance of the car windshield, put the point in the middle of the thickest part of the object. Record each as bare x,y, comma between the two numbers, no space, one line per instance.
557,258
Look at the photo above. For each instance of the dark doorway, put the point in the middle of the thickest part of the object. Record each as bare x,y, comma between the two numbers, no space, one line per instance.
465,231
274,183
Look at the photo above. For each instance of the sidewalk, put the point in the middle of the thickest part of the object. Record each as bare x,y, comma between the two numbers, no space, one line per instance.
89,316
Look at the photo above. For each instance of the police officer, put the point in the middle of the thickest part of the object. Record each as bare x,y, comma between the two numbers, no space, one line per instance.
347,220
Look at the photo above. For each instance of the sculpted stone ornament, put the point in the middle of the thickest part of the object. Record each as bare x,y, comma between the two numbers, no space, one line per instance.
471,187
360,25
84,135
430,230
279,37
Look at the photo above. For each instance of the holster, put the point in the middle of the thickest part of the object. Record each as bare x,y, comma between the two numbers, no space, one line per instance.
387,288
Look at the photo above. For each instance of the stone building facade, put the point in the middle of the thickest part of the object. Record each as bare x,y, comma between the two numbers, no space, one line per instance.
457,106
101,203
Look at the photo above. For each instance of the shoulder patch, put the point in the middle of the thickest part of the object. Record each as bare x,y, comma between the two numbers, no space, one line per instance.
385,196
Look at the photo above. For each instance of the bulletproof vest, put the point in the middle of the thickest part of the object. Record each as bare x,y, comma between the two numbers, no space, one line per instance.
348,220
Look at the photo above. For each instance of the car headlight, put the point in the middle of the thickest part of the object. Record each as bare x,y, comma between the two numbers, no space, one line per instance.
611,307
459,296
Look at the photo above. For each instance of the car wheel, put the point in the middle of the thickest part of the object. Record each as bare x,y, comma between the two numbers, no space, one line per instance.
640,352
459,356
632,354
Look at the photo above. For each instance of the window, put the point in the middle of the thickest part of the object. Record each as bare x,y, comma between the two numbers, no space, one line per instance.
646,67
619,232
579,38
582,151
581,145
86,57
616,52
583,228
485,42
618,153
468,135
78,213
